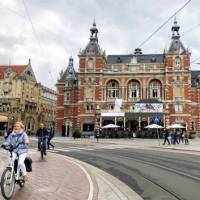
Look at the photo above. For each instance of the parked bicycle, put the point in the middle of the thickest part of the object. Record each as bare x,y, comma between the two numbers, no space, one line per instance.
12,174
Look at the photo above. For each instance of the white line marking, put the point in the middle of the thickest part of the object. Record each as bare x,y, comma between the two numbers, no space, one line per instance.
90,196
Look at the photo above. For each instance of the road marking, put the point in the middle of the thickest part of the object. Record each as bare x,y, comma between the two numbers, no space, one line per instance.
91,192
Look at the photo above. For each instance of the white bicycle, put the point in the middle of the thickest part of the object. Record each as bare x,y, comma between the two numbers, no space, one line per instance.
11,175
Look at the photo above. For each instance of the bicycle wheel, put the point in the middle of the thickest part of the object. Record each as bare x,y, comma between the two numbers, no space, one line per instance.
7,184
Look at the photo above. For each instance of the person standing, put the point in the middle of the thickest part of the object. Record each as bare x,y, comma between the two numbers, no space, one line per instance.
97,134
186,137
50,137
42,134
166,135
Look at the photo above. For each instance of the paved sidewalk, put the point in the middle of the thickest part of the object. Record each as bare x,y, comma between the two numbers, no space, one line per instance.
63,178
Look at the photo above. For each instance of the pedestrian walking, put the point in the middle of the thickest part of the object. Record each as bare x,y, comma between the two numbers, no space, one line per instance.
166,137
181,137
186,137
175,138
97,134
50,137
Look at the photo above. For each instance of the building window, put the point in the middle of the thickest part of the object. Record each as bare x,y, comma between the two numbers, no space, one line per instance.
179,108
90,64
89,107
155,89
133,89
111,107
67,97
113,89
178,63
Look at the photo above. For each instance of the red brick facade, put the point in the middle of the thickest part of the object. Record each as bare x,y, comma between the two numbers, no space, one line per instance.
133,78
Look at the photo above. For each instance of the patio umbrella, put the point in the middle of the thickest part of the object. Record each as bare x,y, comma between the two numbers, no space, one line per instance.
110,126
176,126
155,126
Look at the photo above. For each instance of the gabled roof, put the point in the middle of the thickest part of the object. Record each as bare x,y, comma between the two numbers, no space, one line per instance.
15,68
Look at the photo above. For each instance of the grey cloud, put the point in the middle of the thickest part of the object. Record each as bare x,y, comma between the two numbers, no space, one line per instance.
63,26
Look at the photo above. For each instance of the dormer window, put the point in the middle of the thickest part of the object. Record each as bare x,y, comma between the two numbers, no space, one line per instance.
8,73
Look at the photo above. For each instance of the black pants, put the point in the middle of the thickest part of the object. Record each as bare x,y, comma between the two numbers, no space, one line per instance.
166,139
49,143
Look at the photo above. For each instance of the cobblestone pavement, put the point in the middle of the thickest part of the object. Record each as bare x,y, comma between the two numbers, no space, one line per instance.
54,178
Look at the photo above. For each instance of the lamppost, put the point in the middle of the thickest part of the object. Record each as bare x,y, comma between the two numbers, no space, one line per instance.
97,122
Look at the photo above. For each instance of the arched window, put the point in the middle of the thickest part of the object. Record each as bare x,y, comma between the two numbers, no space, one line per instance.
133,89
113,89
155,87
178,62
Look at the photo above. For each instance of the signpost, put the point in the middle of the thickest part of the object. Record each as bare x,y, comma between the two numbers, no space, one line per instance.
156,119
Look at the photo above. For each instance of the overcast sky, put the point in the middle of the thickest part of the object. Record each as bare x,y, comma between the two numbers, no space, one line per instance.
61,28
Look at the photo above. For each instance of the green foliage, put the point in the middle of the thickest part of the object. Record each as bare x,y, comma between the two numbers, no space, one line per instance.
77,133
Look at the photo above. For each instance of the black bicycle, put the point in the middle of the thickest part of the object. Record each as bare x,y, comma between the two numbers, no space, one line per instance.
43,145
11,175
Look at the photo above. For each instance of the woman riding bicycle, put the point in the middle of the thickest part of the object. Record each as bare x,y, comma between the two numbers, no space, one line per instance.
18,139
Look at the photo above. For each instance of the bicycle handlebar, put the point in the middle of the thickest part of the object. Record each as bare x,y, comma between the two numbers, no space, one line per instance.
10,147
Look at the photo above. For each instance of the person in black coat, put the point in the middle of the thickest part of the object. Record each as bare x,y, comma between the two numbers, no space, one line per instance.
42,134
50,136
166,135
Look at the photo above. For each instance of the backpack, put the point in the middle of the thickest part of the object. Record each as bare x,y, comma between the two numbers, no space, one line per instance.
28,163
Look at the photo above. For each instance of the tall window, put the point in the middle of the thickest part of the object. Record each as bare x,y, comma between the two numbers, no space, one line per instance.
113,89
67,97
178,62
155,89
178,108
133,89
90,64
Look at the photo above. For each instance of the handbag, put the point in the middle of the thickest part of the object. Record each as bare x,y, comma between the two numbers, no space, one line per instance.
28,163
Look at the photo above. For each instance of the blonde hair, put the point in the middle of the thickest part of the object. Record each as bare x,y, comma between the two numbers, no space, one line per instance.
21,124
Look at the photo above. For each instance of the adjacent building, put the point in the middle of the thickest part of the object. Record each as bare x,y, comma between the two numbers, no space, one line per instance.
157,88
22,98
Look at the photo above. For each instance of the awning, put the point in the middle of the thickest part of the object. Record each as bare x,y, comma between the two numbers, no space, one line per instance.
3,118
112,114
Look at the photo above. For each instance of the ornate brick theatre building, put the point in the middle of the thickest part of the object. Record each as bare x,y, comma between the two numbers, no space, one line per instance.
157,88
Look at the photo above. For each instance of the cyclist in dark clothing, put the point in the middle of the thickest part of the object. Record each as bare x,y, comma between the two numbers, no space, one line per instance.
42,134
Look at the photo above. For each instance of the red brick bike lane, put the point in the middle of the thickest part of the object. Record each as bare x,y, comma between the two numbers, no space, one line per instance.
54,178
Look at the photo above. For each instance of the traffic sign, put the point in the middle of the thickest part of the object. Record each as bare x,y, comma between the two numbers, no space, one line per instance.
156,118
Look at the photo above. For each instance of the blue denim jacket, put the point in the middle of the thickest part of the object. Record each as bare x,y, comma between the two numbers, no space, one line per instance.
16,138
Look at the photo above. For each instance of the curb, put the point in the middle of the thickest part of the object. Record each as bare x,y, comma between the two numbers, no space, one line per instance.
109,187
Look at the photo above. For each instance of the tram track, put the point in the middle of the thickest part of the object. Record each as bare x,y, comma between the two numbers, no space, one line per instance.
127,170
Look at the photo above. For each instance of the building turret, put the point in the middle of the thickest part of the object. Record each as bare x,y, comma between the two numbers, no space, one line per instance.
176,46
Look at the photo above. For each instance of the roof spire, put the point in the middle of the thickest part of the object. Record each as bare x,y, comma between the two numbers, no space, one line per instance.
175,29
94,31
